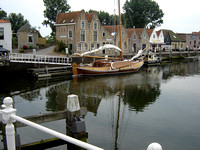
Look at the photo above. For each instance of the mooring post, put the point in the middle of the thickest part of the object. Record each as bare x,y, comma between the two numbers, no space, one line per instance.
10,130
154,146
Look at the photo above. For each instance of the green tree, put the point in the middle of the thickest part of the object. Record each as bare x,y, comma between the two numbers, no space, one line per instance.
53,7
17,21
3,14
105,18
142,13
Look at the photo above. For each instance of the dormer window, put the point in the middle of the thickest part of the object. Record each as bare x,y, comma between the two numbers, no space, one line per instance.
82,24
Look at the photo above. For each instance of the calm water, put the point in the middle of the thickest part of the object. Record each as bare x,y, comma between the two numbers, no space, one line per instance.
157,104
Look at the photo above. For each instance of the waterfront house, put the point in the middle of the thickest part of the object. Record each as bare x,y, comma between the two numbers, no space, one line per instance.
192,40
5,35
176,42
83,31
80,31
27,37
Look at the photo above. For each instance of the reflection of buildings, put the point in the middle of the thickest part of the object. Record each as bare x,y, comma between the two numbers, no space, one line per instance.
180,69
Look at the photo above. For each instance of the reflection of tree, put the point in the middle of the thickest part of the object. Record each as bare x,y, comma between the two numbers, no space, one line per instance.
140,97
57,97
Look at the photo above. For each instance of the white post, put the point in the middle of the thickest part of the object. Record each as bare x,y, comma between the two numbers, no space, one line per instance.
10,130
154,146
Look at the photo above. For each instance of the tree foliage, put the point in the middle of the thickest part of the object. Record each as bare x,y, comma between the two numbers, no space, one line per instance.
3,14
105,18
142,13
17,21
53,7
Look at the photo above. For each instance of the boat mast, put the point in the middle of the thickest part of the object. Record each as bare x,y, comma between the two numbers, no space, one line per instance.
120,30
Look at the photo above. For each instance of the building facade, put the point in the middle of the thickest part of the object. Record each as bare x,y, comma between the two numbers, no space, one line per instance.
27,36
5,35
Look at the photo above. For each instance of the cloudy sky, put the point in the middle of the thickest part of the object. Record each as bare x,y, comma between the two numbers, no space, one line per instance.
180,16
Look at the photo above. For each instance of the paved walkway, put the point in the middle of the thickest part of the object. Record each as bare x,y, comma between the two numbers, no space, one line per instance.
45,51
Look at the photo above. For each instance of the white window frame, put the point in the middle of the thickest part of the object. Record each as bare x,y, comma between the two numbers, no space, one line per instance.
82,24
95,36
70,35
79,47
2,33
30,35
92,46
95,25
82,35
85,47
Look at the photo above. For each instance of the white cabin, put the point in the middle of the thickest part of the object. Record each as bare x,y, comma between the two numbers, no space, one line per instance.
5,35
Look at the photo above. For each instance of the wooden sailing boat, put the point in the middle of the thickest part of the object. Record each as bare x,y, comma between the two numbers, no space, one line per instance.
109,67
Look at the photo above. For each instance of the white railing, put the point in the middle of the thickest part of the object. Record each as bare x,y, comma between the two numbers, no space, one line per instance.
9,117
41,59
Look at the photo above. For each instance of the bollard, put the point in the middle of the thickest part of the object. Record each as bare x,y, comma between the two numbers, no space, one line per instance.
10,131
154,146
73,103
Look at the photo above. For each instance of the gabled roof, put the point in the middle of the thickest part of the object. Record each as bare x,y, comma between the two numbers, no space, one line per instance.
89,17
112,29
150,31
4,21
67,17
27,28
174,37
139,31
130,32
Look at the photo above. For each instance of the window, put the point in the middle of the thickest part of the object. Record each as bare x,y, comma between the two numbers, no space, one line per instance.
122,33
125,45
154,36
85,47
144,36
79,47
98,45
82,24
134,36
95,25
30,38
70,34
1,33
92,46
95,36
104,34
82,35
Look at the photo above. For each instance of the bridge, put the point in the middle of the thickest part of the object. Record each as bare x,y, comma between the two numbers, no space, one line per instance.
39,59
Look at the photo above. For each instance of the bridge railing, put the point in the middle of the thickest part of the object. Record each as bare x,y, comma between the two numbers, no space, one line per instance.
9,117
42,59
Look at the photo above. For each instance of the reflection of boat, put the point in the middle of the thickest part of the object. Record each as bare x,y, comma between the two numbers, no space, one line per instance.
107,67
152,59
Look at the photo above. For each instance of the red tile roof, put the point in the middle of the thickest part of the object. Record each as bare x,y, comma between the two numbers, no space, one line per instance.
130,31
196,33
112,29
89,16
150,31
68,17
4,21
139,31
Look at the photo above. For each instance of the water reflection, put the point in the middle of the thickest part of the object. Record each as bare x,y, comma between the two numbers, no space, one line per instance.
109,95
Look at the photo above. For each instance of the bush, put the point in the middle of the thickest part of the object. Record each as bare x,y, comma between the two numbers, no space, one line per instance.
30,47
21,50
60,46
25,47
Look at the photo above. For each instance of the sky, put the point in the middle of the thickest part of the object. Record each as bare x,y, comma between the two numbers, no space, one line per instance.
180,16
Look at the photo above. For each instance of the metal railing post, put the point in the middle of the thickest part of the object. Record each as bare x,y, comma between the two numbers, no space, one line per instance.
9,116
10,130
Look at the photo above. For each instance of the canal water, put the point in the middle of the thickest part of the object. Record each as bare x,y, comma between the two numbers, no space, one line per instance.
157,104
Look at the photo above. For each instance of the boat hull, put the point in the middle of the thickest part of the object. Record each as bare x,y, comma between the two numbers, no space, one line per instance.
101,71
